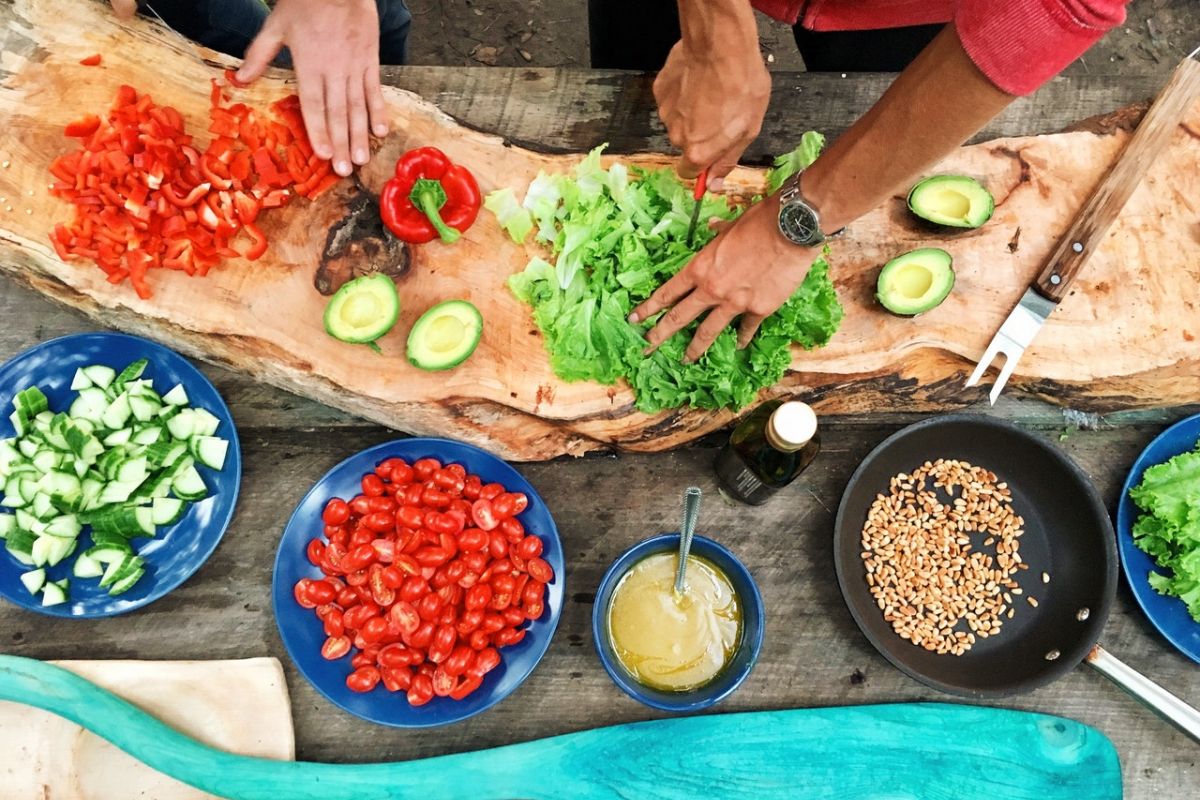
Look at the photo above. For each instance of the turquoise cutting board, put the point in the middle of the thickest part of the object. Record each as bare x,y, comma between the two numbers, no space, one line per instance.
927,751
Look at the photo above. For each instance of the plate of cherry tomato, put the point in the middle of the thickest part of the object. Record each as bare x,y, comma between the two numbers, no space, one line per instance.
419,582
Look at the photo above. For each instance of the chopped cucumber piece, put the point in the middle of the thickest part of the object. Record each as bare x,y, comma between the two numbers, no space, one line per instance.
143,407
80,381
32,402
46,460
19,422
188,485
117,492
148,435
67,526
20,544
206,424
34,580
131,373
56,549
176,397
87,567
210,451
117,413
118,437
100,375
53,594
107,554
122,585
12,493
165,510
90,405
145,520
8,523
183,424
133,470
120,570
42,506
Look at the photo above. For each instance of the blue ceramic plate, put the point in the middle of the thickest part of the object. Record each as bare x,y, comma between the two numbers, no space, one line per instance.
303,633
1168,614
178,550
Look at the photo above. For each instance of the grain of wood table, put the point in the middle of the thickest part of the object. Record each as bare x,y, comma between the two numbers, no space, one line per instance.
813,654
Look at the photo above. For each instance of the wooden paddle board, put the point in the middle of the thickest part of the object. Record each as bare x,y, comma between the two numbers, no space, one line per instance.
240,706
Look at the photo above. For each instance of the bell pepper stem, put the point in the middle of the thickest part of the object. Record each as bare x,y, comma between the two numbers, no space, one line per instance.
429,196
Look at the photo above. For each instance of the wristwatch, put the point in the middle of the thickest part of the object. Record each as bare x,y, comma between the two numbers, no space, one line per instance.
799,221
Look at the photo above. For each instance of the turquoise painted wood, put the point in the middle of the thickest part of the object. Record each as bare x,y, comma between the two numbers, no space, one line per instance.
925,751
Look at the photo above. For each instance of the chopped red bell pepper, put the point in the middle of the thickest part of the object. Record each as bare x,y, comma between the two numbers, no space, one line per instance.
91,61
429,197
83,127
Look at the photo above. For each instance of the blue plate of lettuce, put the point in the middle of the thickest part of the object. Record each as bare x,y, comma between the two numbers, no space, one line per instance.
1158,532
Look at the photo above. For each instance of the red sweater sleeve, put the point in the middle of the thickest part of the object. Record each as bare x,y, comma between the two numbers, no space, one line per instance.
1021,44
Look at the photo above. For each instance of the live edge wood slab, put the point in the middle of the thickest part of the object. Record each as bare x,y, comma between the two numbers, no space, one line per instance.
1125,338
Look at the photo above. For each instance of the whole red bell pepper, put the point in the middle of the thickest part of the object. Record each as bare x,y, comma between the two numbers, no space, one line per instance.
429,197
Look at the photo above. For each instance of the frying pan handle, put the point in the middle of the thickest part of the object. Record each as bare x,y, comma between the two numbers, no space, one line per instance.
1155,697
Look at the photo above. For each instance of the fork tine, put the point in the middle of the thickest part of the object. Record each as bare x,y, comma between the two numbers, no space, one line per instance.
989,355
1010,364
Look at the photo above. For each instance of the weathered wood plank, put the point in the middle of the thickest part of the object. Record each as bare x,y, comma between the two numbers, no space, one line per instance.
572,110
813,654
31,318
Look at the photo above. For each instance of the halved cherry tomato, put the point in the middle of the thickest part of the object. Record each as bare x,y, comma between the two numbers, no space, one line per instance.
425,467
335,647
363,679
540,570
468,685
486,660
484,515
420,691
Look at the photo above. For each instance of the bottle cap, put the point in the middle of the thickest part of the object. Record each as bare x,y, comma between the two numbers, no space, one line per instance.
792,426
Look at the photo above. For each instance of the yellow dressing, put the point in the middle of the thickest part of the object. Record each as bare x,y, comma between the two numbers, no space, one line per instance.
669,642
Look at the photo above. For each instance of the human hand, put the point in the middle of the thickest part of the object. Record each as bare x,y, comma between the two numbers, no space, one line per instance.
124,9
712,100
748,270
335,49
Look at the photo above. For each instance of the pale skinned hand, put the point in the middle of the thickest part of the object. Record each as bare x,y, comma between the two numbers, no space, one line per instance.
124,9
712,104
749,270
335,50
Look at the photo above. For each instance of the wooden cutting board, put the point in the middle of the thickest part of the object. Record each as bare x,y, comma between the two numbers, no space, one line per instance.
239,706
1126,337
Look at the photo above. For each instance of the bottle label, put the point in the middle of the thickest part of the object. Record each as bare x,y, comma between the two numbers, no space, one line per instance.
747,484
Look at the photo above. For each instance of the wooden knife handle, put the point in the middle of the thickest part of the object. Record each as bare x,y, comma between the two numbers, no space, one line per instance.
1106,202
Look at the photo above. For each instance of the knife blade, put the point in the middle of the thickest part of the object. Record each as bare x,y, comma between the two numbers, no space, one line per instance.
1091,224
697,196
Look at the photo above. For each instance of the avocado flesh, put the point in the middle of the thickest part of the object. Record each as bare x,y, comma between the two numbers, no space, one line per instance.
445,335
915,282
955,201
363,310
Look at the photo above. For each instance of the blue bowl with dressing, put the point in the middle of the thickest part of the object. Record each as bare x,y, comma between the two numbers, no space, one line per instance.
744,657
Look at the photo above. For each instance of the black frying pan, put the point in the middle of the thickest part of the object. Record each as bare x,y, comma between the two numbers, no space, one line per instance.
1068,534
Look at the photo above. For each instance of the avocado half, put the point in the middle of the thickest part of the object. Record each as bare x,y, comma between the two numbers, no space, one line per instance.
915,282
363,309
445,335
955,201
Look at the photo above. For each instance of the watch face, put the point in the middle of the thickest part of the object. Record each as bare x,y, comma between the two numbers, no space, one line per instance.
799,223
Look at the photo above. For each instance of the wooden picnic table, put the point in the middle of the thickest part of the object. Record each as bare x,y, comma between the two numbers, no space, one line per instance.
813,655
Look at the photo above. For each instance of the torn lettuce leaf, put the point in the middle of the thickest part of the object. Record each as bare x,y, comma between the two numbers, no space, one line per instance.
616,235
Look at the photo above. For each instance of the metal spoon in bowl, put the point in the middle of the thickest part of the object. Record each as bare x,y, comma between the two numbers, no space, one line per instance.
691,509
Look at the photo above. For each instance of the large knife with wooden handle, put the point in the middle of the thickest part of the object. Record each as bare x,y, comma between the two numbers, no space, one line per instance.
1092,223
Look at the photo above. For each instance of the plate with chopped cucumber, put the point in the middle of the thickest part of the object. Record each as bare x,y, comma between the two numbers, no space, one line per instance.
119,473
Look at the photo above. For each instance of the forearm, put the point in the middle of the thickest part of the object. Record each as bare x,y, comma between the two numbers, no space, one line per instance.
709,25
935,105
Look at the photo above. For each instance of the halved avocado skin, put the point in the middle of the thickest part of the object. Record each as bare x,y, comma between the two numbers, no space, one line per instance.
467,313
943,281
384,289
981,200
